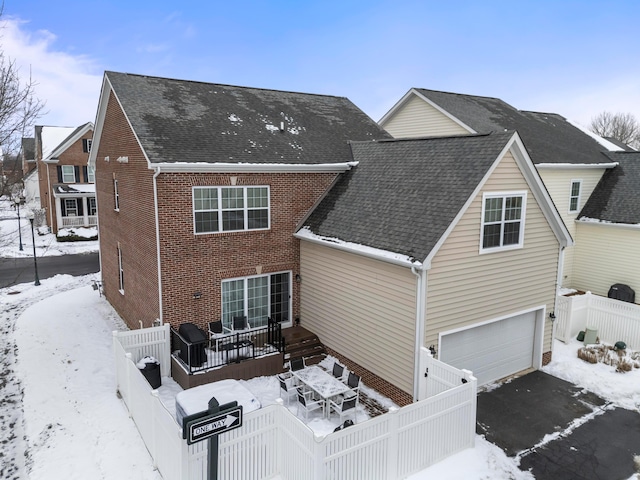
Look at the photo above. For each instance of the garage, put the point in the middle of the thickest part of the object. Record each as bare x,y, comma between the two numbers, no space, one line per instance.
496,349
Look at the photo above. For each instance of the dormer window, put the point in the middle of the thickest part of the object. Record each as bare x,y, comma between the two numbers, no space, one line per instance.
502,221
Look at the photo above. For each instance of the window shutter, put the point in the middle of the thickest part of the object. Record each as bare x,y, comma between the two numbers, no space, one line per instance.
59,168
85,174
76,173
85,146
63,207
79,202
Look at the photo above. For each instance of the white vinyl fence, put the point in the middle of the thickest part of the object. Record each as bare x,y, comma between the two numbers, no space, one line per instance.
615,320
272,442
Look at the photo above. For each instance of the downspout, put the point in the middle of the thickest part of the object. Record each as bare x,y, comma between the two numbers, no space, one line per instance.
155,206
420,271
561,252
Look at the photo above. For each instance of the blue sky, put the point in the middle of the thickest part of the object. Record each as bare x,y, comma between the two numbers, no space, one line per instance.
576,58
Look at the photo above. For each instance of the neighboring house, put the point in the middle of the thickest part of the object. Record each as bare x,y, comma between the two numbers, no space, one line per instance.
609,229
201,187
66,182
570,160
451,243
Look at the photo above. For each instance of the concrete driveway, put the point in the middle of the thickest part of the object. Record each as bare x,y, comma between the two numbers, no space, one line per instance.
559,431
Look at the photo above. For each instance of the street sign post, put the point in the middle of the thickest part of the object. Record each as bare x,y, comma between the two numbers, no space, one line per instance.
215,424
209,424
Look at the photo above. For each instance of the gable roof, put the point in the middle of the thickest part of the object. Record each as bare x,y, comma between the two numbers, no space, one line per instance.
548,137
615,199
73,137
406,193
179,121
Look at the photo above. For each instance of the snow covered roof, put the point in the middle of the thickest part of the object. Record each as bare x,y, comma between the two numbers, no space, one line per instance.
178,121
52,137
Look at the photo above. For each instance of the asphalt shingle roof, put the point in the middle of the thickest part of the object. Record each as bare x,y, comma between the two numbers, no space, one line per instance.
186,121
616,198
404,194
548,137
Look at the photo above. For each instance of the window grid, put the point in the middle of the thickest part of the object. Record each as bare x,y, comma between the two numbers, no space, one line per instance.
502,224
258,297
574,198
230,209
71,207
91,174
68,174
93,206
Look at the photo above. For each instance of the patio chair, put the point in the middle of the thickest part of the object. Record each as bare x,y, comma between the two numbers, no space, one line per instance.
286,386
344,406
296,364
240,323
216,332
338,370
353,382
308,404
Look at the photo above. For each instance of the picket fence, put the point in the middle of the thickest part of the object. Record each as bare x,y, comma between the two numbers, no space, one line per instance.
274,443
614,319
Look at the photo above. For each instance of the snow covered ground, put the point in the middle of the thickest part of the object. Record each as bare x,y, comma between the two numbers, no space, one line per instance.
61,419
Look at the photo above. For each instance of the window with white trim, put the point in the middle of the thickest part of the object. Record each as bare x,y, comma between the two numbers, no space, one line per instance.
116,195
68,174
120,271
91,174
93,206
258,297
502,221
70,207
574,195
230,209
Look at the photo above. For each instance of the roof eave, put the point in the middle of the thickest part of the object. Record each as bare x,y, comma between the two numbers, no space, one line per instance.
571,166
251,167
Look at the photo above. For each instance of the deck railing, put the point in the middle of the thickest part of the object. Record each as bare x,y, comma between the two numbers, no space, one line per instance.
232,347
274,442
88,221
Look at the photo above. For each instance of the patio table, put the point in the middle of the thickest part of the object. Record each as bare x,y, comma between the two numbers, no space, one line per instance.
321,382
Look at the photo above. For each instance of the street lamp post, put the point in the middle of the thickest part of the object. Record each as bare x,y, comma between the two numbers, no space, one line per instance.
35,260
17,201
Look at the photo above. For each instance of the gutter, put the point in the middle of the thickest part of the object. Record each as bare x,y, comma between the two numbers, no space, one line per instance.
573,166
155,207
203,167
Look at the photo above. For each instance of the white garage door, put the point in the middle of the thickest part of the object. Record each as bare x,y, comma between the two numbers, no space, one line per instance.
494,350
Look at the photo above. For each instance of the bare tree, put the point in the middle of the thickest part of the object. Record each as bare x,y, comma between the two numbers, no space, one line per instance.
622,126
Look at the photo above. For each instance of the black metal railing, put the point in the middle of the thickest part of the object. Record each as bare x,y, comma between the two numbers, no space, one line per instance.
224,349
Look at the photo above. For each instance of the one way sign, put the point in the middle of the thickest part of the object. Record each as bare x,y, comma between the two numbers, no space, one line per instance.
214,424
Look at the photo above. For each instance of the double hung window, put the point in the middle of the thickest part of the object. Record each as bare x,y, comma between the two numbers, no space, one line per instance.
68,174
230,209
574,196
502,221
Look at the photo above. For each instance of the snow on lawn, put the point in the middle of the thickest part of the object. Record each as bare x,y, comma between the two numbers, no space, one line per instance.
58,365
46,243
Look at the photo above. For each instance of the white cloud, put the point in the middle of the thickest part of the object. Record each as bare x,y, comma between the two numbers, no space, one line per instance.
69,84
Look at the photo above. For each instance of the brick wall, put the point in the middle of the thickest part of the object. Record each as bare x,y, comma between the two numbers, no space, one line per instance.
71,156
198,263
546,358
132,227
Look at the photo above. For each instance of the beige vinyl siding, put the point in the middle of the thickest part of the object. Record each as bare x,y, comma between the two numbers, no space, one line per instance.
465,288
362,308
418,118
558,183
606,254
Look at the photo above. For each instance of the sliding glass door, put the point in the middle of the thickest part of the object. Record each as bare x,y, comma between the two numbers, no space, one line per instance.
258,297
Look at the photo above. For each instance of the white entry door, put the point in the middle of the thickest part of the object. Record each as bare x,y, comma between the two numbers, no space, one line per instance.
493,350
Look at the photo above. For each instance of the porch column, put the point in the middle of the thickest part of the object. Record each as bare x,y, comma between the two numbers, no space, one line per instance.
85,211
59,224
